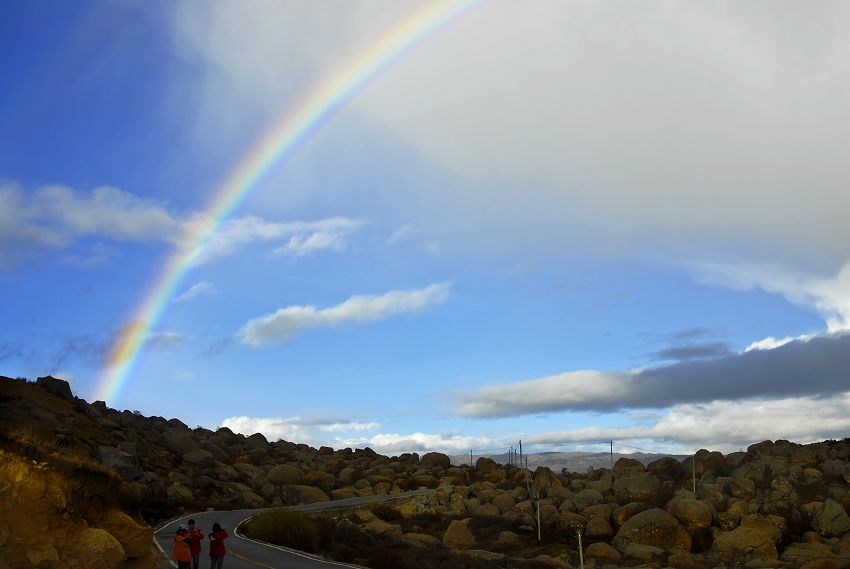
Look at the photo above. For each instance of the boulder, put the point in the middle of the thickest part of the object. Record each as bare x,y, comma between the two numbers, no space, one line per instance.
508,537
180,494
646,554
603,552
56,386
743,543
379,527
667,468
257,442
598,529
285,474
98,549
653,527
43,556
486,465
694,514
804,553
134,538
639,487
420,540
627,467
487,511
623,513
730,519
767,525
587,498
831,520
123,463
300,494
199,458
681,560
249,499
178,442
504,502
457,535
437,459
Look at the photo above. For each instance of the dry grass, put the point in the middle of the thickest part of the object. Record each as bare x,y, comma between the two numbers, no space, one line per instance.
30,443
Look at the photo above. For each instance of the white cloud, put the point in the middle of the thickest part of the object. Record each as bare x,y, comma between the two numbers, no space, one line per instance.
297,429
302,237
273,428
56,217
199,289
286,323
770,343
106,211
828,295
394,443
350,426
817,366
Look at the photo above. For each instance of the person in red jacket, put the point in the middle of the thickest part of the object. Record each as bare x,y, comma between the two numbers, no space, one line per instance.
217,549
196,535
182,551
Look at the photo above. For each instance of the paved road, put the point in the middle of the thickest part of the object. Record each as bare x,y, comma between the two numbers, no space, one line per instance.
244,553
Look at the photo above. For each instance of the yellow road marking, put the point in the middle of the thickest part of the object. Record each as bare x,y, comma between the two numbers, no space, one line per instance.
243,558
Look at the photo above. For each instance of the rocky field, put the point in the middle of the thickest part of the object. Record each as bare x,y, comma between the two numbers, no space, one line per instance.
81,485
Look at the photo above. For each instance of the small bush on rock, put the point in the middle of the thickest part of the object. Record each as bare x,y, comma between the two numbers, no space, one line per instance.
287,528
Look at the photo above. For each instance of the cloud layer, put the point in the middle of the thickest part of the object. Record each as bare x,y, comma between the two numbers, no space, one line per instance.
819,366
286,323
723,425
726,135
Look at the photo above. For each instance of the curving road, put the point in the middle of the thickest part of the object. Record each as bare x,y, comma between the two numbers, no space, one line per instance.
244,553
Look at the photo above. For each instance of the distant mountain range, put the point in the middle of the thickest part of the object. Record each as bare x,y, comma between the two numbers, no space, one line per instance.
572,461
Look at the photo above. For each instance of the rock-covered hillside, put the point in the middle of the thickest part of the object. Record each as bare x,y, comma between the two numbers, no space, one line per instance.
80,485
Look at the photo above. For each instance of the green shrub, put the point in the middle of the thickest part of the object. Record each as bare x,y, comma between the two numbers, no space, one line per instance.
287,528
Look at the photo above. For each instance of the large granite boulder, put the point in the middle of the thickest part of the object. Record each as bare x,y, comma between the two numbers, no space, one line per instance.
56,386
653,527
831,520
457,535
639,487
435,459
693,513
285,474
743,544
301,494
134,538
98,549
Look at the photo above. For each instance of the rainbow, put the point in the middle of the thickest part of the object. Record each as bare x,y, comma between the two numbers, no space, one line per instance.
276,145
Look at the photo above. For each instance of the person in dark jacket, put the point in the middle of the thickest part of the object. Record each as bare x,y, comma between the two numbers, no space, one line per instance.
217,550
196,535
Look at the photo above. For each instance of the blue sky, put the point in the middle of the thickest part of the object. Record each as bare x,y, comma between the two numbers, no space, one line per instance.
566,223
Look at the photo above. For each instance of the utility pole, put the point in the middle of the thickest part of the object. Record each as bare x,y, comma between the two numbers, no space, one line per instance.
612,454
470,457
520,453
580,552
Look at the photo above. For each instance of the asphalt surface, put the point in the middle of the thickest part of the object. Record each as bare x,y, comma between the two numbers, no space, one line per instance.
244,553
